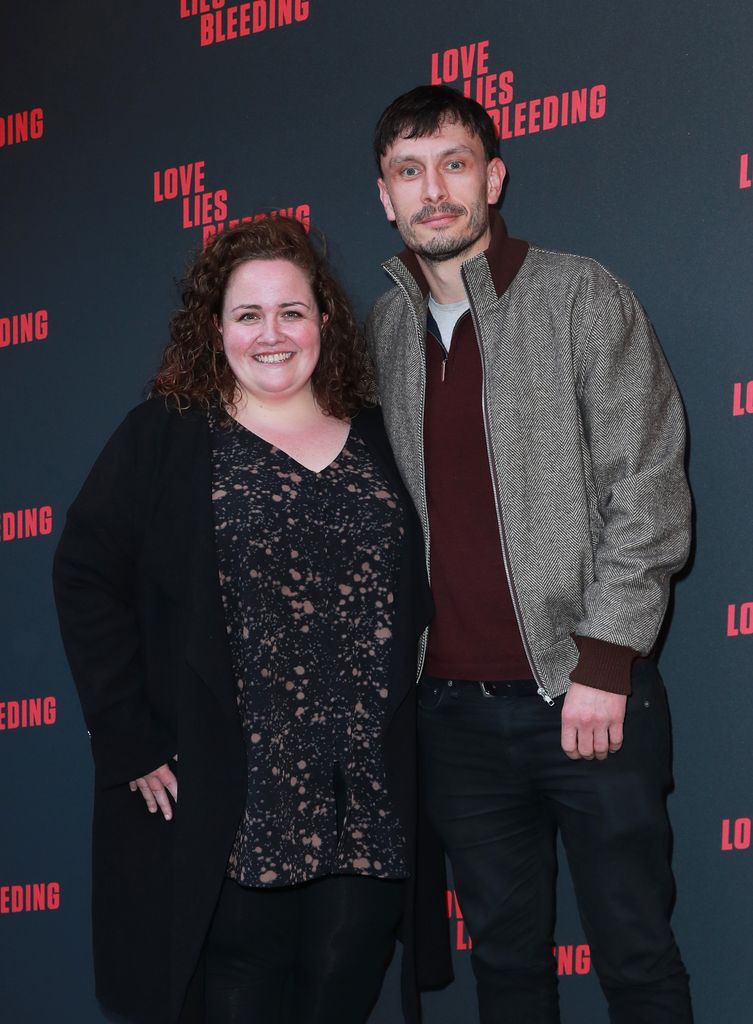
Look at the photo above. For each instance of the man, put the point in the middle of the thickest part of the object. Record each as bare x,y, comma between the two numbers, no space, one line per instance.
541,435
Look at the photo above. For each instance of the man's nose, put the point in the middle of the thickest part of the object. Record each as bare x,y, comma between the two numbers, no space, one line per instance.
435,189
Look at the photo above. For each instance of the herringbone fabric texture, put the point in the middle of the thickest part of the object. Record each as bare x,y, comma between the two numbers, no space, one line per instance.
586,437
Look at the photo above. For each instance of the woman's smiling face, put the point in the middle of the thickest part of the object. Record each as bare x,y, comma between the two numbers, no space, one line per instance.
271,329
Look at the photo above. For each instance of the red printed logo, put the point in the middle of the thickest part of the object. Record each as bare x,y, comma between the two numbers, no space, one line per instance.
742,398
20,328
467,67
185,182
462,939
28,713
745,179
23,126
220,21
302,212
25,523
740,619
571,959
24,899
208,209
736,834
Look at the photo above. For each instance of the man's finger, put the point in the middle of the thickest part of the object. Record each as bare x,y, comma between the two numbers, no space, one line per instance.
586,743
569,741
615,737
601,743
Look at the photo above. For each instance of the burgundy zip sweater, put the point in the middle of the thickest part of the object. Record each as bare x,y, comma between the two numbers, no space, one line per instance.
475,633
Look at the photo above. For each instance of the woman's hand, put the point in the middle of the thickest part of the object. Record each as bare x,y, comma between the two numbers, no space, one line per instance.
155,788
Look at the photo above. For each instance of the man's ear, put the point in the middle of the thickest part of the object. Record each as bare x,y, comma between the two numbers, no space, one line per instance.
496,172
385,199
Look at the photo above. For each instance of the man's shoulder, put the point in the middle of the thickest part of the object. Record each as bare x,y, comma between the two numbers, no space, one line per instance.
567,270
391,300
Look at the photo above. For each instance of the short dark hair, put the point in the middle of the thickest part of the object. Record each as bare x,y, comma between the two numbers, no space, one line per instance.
424,110
194,367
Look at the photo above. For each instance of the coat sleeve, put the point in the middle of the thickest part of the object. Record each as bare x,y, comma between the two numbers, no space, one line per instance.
95,578
634,427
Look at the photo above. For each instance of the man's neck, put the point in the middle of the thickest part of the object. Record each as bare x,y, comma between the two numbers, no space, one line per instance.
443,277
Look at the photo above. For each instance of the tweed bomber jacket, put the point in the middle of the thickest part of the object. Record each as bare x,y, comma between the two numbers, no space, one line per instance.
586,436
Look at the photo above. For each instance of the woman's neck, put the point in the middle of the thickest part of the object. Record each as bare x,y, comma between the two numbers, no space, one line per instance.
284,415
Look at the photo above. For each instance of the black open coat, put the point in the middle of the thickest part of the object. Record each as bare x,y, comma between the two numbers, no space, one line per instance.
137,589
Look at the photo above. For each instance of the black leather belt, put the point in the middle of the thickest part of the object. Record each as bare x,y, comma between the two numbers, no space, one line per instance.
488,687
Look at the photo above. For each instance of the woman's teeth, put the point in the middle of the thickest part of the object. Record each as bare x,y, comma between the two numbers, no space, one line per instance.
274,357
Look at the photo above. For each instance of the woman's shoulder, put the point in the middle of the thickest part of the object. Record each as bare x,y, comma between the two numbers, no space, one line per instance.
159,409
369,419
368,424
152,430
159,416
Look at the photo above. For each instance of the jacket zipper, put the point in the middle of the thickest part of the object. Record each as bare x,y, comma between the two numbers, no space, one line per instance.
424,511
541,691
445,355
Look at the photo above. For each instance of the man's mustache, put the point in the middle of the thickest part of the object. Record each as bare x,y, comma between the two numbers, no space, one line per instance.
426,212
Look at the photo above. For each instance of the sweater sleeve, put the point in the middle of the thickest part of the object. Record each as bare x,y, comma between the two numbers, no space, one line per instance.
603,666
95,584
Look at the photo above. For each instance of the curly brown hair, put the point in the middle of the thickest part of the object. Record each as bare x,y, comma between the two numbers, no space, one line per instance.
194,369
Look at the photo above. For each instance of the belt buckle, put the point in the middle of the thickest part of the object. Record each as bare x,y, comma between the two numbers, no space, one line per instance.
484,690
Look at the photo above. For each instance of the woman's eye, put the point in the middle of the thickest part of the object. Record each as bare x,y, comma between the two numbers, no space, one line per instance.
291,314
249,316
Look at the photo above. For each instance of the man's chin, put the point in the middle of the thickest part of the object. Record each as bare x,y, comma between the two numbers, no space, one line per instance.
433,256
441,251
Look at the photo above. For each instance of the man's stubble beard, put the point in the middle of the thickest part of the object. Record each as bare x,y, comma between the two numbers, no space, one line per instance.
442,248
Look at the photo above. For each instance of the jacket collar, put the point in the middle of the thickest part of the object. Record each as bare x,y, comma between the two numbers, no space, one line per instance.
504,256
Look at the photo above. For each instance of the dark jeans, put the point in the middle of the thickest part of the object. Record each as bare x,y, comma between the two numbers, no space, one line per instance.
498,787
309,954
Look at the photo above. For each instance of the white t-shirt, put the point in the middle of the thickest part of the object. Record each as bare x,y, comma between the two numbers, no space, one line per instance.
446,315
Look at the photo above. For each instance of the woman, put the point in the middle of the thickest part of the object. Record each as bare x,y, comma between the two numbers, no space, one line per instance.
241,590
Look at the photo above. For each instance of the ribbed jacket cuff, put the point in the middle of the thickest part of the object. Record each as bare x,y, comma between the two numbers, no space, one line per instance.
603,666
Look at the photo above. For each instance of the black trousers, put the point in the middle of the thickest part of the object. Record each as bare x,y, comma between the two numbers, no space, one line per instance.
309,954
498,787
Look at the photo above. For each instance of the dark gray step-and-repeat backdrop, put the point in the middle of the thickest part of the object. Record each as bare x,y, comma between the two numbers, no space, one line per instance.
130,131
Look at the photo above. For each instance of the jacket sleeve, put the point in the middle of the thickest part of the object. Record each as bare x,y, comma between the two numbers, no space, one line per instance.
96,591
369,336
634,427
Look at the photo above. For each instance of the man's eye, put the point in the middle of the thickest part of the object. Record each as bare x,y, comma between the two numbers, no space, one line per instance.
409,172
455,165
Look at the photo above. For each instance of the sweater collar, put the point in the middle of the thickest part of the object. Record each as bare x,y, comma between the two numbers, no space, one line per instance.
504,255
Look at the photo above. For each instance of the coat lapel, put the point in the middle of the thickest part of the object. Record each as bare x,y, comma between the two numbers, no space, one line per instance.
413,605
207,649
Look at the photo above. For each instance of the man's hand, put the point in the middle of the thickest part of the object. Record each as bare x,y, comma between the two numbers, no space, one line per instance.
155,787
592,722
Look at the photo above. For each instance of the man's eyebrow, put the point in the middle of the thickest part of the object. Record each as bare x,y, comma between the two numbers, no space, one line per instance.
405,158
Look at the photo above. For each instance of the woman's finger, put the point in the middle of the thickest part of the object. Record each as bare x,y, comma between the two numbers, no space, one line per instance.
148,795
160,795
156,788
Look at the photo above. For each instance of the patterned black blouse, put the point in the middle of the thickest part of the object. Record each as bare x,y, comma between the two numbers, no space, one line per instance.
308,566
